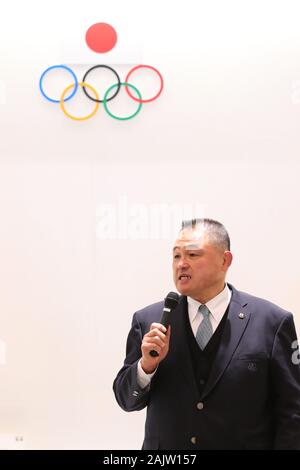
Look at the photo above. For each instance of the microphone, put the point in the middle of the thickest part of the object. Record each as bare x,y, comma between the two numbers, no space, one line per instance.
171,302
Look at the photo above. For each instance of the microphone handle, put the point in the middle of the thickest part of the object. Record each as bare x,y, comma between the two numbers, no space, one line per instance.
154,353
165,320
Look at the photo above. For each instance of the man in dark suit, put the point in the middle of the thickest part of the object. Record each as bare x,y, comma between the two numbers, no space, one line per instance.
226,375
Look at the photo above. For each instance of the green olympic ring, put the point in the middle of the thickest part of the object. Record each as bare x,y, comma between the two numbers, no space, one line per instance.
105,99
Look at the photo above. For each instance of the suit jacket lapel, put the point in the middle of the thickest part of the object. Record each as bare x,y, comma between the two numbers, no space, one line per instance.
237,320
179,347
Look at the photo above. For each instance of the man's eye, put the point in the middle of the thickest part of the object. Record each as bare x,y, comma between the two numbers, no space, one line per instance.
193,254
176,256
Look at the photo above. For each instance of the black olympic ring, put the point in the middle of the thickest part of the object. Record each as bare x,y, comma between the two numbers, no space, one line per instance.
106,67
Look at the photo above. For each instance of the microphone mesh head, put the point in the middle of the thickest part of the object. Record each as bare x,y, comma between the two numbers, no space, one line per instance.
171,301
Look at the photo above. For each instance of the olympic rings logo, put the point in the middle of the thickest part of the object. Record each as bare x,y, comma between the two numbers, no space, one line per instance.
109,94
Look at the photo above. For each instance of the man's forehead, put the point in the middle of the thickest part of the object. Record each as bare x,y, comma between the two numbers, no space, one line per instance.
191,240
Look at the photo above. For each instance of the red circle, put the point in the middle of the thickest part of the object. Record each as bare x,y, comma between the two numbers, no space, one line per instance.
147,67
101,37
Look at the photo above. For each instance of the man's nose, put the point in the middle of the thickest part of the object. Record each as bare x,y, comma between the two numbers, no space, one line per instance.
182,261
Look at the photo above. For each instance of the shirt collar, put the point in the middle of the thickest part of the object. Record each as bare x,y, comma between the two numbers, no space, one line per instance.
217,306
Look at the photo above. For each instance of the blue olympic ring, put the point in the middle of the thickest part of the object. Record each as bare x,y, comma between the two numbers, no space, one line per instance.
58,67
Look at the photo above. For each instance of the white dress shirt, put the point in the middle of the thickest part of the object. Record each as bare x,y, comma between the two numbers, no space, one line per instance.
217,307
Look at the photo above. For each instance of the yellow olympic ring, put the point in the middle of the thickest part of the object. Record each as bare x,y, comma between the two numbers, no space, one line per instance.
84,118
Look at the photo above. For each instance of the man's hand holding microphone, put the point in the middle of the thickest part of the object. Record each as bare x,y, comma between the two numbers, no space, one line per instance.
155,344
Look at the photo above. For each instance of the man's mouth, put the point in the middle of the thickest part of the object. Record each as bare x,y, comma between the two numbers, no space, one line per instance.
184,277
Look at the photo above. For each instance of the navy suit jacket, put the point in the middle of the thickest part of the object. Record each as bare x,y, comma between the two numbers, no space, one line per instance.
252,397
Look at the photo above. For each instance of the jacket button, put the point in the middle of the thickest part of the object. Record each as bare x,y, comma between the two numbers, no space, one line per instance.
193,440
200,405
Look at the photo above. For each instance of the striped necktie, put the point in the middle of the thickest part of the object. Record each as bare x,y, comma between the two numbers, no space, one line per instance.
205,330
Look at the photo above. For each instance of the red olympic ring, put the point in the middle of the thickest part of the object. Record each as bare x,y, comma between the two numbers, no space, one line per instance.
147,67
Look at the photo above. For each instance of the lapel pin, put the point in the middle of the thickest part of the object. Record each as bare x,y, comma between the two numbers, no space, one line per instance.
241,316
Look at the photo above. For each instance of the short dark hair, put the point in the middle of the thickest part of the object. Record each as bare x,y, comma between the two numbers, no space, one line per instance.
216,231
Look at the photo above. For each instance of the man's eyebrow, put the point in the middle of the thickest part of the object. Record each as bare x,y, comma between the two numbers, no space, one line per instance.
190,246
193,246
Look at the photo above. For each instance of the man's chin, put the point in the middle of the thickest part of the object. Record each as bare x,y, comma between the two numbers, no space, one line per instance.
183,290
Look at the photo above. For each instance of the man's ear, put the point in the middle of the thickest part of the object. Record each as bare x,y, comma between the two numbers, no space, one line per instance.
227,259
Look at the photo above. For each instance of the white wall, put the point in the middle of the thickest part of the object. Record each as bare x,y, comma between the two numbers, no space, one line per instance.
223,137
